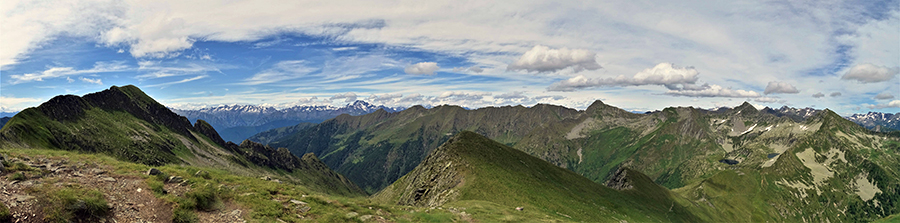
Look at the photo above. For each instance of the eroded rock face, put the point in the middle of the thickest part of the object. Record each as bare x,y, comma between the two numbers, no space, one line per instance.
619,180
434,182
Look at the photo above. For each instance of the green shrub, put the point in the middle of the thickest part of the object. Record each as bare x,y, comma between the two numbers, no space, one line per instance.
157,187
69,204
5,215
181,215
17,176
205,198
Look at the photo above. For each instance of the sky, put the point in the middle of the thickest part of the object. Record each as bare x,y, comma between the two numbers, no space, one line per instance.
636,55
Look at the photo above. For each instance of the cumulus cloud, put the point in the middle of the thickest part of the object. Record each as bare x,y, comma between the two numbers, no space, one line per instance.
776,87
870,73
665,74
93,81
544,59
707,90
884,96
818,95
835,94
348,97
57,72
891,104
427,68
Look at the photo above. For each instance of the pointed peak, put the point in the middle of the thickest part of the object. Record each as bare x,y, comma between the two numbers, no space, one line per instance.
596,105
359,102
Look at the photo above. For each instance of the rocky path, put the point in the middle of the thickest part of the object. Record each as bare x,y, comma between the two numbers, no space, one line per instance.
128,197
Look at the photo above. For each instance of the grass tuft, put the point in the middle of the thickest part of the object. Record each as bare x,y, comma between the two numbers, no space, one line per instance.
73,203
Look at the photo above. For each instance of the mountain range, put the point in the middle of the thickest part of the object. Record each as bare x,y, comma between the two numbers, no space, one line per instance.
449,163
793,155
238,122
877,121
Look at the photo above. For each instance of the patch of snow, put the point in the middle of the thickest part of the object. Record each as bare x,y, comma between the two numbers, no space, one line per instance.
748,130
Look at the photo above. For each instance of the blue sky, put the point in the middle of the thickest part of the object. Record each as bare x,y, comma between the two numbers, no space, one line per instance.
842,55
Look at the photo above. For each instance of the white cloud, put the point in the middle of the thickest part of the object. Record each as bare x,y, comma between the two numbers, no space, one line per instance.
93,81
891,104
776,87
163,85
818,95
411,99
473,69
835,94
549,98
427,68
384,98
544,59
56,72
665,74
708,90
870,73
460,94
884,96
770,40
512,95
11,104
162,69
766,99
348,97
281,71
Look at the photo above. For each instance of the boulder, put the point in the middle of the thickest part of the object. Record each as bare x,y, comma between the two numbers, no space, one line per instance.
153,171
175,179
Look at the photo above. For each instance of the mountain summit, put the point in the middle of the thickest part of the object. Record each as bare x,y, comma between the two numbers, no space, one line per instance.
125,123
471,167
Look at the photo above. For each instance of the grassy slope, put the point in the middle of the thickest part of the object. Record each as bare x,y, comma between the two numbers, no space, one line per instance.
500,177
128,133
266,201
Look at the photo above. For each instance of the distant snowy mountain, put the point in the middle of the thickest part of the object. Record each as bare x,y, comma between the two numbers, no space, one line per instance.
872,120
796,114
237,122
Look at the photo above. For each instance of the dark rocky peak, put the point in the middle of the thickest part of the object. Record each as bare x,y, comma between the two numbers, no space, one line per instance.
132,100
620,181
206,129
267,156
64,107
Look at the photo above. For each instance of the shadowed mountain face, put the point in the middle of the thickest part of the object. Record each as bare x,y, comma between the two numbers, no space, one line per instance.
125,123
471,167
794,159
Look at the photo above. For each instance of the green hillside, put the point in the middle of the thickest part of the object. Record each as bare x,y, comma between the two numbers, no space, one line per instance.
471,169
703,155
125,123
